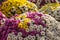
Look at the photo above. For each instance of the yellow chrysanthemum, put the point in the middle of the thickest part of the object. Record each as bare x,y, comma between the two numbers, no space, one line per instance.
23,21
11,7
51,6
24,24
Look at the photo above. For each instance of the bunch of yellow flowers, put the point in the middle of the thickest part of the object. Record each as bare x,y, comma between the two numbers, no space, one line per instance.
12,7
23,21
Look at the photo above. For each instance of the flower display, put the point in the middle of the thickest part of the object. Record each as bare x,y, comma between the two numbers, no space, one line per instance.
29,26
10,8
24,20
